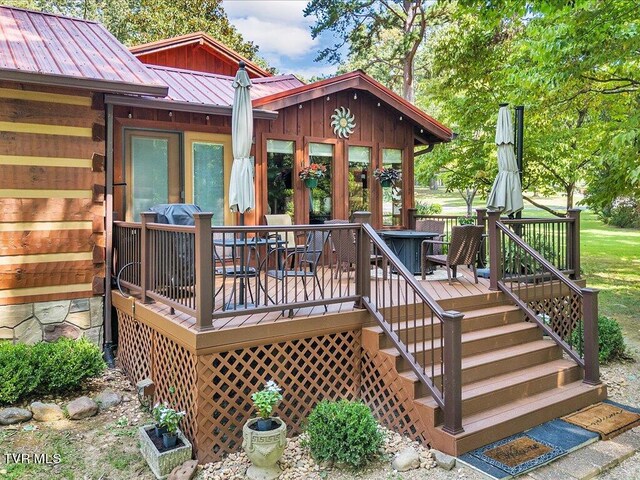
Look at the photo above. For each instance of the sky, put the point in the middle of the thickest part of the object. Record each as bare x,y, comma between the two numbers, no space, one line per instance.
282,33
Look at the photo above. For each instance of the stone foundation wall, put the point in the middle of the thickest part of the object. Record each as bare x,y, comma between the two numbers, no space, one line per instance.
48,321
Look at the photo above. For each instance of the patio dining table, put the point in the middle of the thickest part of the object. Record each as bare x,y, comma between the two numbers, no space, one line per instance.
244,271
406,245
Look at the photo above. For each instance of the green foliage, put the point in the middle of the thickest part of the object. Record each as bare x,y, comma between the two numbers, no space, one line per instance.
424,208
343,432
18,377
167,417
469,220
46,368
266,399
623,213
610,339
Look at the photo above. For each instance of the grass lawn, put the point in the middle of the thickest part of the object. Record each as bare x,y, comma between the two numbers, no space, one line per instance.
610,258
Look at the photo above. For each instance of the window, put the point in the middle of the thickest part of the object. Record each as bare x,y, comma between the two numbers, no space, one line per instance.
359,177
321,208
280,154
208,178
152,170
207,170
392,195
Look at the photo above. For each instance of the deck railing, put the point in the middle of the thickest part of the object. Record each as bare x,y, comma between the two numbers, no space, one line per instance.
218,272
426,336
566,312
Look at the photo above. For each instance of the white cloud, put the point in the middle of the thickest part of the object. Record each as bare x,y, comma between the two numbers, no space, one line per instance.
279,38
314,71
285,12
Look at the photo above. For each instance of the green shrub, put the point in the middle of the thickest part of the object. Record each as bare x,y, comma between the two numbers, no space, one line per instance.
66,363
18,374
624,212
423,208
46,368
610,339
343,432
468,220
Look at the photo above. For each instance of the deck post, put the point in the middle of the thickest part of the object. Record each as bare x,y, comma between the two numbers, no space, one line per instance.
481,218
363,265
452,369
494,250
145,253
573,242
204,264
412,212
590,322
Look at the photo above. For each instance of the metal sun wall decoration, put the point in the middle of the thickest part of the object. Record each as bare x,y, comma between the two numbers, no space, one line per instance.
343,122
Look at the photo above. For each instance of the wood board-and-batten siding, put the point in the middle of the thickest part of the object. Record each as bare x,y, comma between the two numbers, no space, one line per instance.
52,147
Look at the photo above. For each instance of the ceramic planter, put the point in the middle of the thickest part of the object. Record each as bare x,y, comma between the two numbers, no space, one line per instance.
264,449
386,183
311,182
161,463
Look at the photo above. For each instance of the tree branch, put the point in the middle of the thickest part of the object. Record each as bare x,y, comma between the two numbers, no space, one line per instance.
544,207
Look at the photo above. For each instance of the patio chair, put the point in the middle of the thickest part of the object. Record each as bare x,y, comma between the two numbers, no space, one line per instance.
283,219
463,250
433,226
304,265
343,244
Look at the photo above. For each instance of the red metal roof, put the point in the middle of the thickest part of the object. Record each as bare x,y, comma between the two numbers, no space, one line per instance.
355,80
54,50
199,38
211,89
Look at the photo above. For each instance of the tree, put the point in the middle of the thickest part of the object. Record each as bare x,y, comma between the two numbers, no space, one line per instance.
384,35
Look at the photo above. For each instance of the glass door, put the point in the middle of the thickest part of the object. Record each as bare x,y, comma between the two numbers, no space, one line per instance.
359,178
280,180
321,206
207,171
392,195
152,170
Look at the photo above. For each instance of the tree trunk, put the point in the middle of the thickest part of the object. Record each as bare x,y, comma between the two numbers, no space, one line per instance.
570,191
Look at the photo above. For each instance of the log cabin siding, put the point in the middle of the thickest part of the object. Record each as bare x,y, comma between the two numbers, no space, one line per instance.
50,218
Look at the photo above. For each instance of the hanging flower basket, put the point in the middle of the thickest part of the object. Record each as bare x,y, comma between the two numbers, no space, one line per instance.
387,176
311,174
311,182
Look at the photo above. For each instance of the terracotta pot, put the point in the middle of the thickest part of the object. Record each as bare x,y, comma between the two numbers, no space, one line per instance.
311,182
264,449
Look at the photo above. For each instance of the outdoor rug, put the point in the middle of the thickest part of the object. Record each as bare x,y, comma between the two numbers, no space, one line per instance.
517,454
606,419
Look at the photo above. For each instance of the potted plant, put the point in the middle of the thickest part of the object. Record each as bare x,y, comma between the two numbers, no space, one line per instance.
163,445
265,437
387,176
168,425
311,174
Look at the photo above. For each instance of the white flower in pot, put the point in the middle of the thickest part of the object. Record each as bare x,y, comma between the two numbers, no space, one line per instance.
265,437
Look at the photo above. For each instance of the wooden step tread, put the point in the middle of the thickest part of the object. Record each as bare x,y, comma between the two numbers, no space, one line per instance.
493,384
491,357
472,336
480,312
506,413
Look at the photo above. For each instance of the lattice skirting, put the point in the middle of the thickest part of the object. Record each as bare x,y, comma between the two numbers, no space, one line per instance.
388,398
564,313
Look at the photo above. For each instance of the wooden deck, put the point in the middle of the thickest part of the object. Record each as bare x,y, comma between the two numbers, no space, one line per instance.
440,290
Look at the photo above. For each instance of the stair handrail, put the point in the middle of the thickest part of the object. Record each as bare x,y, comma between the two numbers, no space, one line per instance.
450,399
588,298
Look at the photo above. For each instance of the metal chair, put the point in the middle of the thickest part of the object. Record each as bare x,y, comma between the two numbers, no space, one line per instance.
304,264
463,250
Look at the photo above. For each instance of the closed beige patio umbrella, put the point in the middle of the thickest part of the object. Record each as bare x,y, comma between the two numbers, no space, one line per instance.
506,193
241,188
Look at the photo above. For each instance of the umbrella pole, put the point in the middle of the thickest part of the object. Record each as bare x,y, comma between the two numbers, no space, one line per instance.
242,266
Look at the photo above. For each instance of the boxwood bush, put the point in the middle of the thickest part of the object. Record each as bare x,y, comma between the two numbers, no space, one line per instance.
610,339
343,432
46,368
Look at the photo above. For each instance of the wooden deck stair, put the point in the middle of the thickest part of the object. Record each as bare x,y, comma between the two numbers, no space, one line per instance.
513,377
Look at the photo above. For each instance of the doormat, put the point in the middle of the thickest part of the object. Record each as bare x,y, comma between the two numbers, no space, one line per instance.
518,453
606,419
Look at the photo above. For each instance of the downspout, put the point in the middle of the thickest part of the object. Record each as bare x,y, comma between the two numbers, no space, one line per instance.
108,331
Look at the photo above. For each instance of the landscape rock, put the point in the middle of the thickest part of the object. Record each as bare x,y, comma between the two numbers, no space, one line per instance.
46,412
54,332
443,460
107,399
82,407
407,459
9,416
186,471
